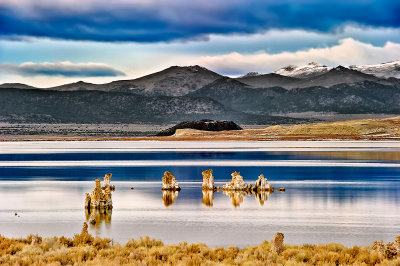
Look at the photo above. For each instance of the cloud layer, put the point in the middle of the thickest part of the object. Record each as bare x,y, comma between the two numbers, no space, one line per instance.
347,52
65,69
158,20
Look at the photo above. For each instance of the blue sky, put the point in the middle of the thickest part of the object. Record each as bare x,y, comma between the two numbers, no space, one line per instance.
46,42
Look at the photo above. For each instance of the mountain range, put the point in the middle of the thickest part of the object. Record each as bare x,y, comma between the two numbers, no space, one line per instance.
385,70
194,92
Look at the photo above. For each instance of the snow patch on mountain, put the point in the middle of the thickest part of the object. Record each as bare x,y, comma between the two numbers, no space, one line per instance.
310,70
384,70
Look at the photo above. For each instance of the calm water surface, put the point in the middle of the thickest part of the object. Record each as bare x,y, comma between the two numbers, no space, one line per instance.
347,192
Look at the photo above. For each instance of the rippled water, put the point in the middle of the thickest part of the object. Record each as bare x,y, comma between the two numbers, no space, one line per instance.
335,192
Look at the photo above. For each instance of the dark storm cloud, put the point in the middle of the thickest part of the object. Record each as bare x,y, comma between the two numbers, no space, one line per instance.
65,69
156,20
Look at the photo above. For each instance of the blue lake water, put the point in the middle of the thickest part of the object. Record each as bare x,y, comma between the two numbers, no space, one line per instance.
346,192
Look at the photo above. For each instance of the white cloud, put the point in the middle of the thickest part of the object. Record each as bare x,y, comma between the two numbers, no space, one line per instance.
347,52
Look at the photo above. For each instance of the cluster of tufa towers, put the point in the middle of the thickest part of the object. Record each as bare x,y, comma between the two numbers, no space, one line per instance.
236,189
100,197
236,184
99,201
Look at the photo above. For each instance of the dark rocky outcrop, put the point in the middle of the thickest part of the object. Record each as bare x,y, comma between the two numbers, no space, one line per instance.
207,125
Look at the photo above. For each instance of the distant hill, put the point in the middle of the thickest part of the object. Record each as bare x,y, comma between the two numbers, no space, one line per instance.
173,81
322,76
355,98
268,81
240,96
17,86
339,75
371,129
99,107
38,106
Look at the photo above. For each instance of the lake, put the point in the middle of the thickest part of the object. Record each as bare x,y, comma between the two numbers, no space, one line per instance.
345,191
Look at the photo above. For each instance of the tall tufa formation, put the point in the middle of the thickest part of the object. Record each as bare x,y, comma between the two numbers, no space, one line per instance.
277,243
97,195
169,182
84,228
107,182
262,185
100,197
237,183
208,180
87,200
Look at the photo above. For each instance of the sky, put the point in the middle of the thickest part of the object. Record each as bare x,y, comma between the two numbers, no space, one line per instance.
46,43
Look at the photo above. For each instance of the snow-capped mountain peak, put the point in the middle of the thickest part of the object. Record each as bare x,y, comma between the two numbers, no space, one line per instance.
384,70
312,69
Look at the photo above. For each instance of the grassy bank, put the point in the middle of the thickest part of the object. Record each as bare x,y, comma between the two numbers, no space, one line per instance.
83,249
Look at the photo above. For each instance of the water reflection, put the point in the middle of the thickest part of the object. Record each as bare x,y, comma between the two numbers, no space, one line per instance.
208,197
333,211
262,196
237,196
95,217
169,197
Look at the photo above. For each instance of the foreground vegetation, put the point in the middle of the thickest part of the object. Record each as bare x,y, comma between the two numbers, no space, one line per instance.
83,249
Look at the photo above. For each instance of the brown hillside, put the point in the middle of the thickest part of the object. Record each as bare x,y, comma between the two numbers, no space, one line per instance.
388,128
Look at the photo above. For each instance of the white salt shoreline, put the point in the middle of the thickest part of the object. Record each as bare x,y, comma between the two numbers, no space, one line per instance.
210,146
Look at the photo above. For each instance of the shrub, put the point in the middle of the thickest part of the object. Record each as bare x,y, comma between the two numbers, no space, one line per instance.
148,243
82,239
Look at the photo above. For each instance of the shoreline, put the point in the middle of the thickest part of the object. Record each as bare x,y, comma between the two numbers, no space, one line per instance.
56,145
198,138
363,129
83,248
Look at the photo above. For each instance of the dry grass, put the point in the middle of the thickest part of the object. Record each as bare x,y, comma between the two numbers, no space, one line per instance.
369,129
83,249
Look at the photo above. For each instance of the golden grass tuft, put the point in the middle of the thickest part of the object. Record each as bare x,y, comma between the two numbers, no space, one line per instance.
84,249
